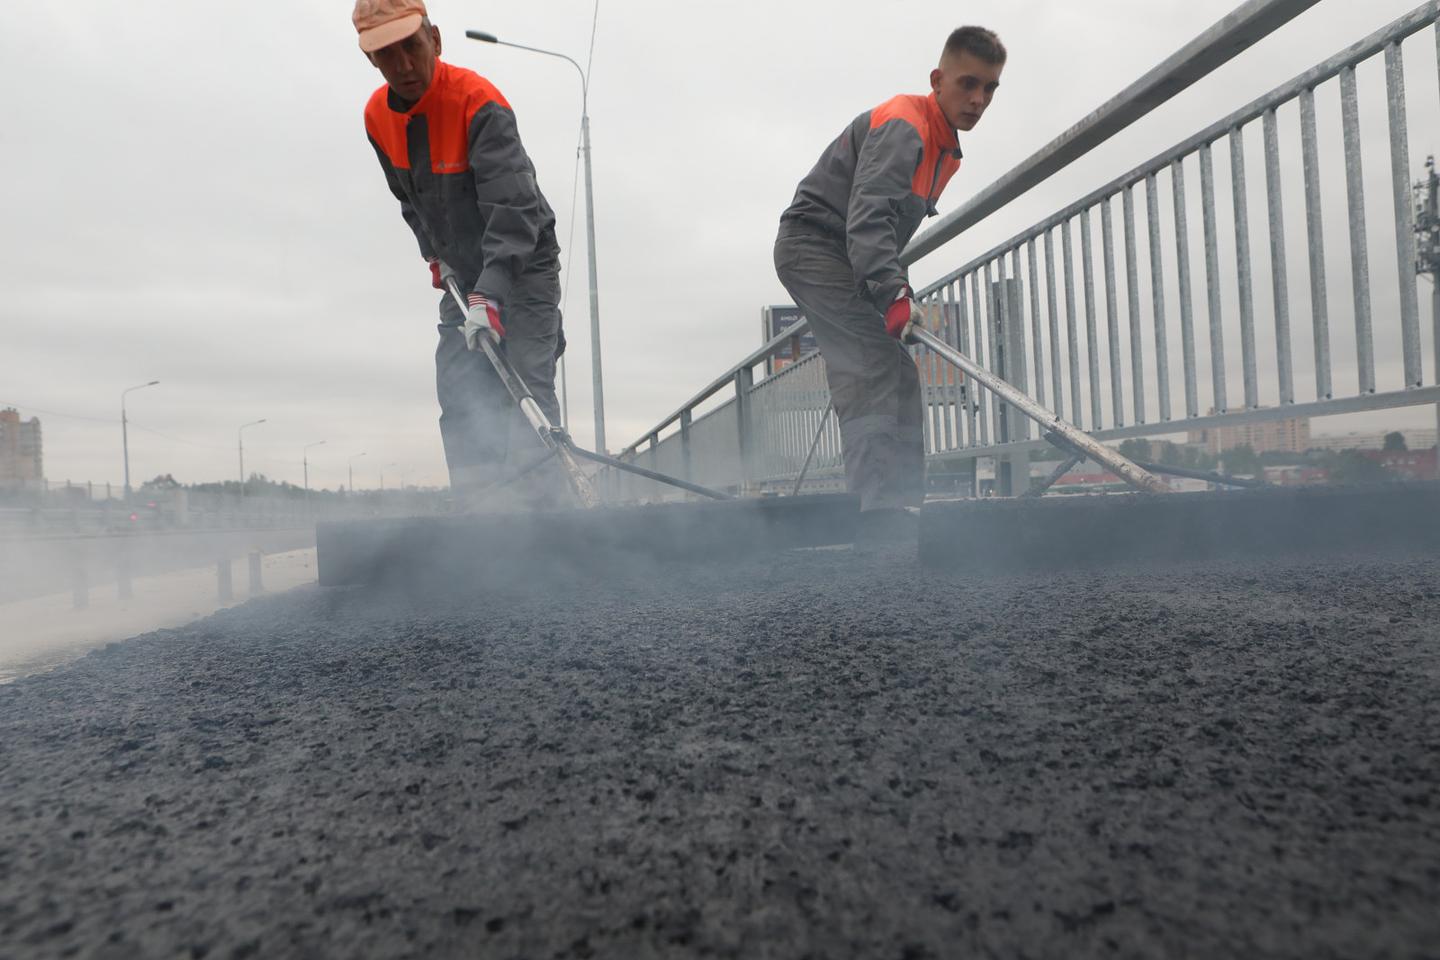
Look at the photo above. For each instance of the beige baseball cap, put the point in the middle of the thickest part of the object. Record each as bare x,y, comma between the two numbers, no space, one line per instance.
383,22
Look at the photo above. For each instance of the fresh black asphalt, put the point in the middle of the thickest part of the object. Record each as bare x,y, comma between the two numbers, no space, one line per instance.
815,754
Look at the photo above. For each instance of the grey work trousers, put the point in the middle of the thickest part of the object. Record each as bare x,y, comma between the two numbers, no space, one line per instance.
485,435
873,380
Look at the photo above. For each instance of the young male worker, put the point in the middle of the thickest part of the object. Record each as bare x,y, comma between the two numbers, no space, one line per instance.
838,254
451,153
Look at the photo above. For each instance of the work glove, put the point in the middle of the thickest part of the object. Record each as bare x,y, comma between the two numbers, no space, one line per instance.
902,315
482,319
440,273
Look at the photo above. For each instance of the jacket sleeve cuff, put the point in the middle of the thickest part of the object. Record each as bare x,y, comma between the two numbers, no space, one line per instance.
494,283
884,294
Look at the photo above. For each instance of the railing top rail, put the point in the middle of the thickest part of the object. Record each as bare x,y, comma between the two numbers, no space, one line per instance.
1411,23
1239,30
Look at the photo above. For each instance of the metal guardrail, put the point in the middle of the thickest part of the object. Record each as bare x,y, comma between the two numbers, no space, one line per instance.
1123,381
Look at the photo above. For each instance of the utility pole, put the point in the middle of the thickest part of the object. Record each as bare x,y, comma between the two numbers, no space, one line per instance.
1427,256
351,468
125,434
240,440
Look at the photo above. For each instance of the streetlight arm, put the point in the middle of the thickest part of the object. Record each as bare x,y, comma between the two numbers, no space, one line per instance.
484,37
140,387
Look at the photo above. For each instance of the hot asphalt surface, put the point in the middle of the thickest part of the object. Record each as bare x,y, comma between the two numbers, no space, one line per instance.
814,755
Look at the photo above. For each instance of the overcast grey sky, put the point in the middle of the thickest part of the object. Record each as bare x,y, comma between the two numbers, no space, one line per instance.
189,197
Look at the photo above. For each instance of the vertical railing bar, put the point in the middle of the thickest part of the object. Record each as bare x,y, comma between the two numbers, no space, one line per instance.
962,335
834,442
946,296
1017,365
1037,323
1112,312
1132,292
1157,295
1092,342
1187,304
919,355
1278,273
1243,274
962,331
1057,382
1219,401
1359,249
978,325
937,381
993,314
1071,320
1404,215
957,327
1315,230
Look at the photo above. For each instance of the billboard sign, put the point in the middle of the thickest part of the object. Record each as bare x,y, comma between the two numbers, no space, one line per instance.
774,321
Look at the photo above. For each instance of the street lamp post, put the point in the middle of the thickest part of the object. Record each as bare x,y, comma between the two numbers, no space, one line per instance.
125,433
305,461
599,386
240,441
351,467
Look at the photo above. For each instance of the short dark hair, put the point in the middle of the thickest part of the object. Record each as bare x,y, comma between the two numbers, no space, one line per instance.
976,41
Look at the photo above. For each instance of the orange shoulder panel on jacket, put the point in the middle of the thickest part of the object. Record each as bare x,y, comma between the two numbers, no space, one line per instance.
909,109
464,94
387,128
905,107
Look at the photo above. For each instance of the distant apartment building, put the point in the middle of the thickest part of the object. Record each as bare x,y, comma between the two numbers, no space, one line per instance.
21,464
1373,440
1267,436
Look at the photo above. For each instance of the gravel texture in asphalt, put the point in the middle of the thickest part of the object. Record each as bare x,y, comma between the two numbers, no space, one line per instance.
818,754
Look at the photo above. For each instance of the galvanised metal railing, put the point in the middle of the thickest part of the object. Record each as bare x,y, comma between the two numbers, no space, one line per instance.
1111,341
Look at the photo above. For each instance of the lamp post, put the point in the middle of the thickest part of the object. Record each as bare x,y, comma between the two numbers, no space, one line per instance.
125,433
599,386
351,467
240,441
305,460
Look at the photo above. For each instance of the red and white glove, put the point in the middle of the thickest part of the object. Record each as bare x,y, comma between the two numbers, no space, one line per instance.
901,314
482,319
435,280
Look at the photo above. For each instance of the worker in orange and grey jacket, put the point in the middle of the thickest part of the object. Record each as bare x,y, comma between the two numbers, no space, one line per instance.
838,254
451,153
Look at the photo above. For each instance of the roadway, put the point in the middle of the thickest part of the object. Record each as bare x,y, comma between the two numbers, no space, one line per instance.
816,753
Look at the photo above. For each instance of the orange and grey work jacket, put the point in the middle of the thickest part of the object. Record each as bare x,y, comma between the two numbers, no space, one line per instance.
465,184
875,184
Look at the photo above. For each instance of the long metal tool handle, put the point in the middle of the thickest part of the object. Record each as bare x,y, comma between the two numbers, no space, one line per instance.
1209,476
814,445
525,400
1048,420
647,474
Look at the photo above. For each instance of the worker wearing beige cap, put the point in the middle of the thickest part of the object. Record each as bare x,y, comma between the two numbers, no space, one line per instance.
451,152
